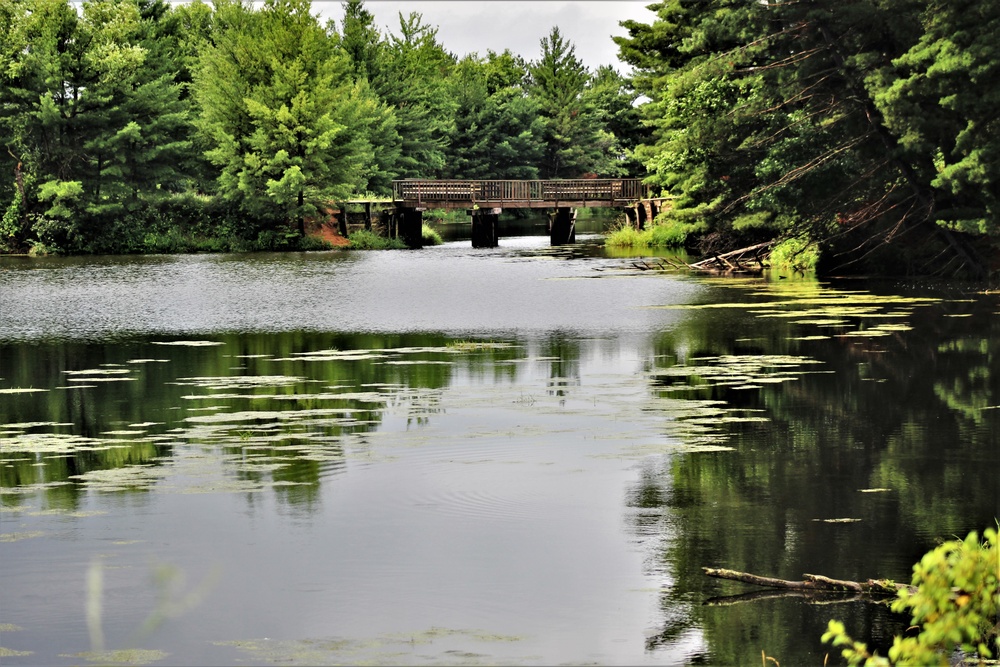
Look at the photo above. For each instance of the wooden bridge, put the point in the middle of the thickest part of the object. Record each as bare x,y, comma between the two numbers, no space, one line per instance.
577,193
485,199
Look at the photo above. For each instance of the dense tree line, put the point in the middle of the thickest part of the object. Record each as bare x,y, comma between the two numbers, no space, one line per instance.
138,125
855,124
868,128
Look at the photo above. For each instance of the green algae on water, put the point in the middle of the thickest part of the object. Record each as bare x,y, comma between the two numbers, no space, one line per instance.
11,653
130,656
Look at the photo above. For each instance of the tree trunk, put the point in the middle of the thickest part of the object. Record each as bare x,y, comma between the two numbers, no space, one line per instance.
814,582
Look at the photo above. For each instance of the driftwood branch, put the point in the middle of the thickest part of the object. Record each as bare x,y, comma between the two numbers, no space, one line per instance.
731,261
813,583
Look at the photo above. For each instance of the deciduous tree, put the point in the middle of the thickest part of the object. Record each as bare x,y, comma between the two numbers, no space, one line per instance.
286,121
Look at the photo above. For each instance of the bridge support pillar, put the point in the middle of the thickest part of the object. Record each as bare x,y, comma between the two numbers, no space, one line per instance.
410,222
562,226
485,222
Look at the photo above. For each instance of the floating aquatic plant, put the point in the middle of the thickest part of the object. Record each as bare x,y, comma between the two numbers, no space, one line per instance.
242,381
188,343
130,656
51,443
11,653
387,649
100,371
17,537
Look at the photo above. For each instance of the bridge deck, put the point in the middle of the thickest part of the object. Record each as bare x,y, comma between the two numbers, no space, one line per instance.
584,192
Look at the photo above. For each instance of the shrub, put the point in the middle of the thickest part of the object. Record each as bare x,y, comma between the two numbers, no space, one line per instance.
313,243
171,241
667,234
670,235
429,236
364,239
12,224
624,235
955,604
795,255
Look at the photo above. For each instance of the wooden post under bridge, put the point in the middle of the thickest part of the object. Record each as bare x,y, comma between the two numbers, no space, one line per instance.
484,199
485,225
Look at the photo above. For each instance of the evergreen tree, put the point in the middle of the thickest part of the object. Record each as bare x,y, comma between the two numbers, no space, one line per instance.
366,48
92,122
614,100
362,40
941,102
413,82
286,121
497,128
768,120
575,141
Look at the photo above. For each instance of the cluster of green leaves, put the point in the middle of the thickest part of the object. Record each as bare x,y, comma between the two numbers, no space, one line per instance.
91,121
853,125
265,115
429,236
364,239
956,605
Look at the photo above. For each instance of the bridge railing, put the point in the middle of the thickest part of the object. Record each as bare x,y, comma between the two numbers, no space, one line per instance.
501,191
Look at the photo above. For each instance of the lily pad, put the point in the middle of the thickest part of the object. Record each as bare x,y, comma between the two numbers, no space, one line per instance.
17,537
11,653
100,371
131,656
189,343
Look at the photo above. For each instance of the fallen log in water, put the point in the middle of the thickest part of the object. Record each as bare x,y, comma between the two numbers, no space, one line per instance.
732,261
751,259
814,583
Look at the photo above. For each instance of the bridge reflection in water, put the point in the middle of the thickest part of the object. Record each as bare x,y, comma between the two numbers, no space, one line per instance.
485,199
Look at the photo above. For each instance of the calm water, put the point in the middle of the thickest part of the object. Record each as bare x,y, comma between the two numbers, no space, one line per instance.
519,455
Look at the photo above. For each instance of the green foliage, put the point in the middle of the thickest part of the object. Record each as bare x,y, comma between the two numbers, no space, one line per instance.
364,239
956,605
412,80
669,234
95,123
111,109
576,142
498,132
944,117
12,223
429,236
614,101
795,255
779,117
285,122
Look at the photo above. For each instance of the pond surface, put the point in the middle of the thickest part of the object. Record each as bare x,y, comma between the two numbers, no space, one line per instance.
520,455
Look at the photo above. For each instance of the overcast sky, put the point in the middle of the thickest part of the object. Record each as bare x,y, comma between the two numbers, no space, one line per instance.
467,26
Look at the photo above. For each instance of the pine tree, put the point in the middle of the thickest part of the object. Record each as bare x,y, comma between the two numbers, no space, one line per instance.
287,123
366,48
92,121
575,141
498,132
412,80
774,119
